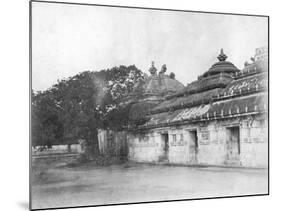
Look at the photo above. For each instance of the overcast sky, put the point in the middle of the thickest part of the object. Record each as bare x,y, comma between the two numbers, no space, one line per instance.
68,39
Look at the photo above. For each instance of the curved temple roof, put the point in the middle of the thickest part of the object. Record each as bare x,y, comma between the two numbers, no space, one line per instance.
222,92
156,84
149,92
217,110
221,66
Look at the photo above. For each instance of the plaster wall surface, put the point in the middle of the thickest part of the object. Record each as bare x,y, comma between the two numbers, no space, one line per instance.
178,147
212,144
146,148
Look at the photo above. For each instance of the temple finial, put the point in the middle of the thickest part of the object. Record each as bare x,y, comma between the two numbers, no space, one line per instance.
222,56
152,69
163,69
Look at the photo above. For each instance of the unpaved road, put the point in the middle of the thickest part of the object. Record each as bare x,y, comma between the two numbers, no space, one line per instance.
80,186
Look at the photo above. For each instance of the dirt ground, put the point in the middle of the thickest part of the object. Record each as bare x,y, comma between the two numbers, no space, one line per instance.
55,185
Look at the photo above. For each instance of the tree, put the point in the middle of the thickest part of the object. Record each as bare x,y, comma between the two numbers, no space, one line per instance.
121,81
74,108
78,98
46,127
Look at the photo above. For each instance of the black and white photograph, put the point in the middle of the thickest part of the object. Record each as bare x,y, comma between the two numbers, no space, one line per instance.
140,105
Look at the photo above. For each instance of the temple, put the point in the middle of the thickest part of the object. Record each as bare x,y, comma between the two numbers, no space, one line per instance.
220,119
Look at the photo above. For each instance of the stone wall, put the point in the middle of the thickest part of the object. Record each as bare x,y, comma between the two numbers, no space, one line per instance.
178,146
66,148
254,143
145,147
213,143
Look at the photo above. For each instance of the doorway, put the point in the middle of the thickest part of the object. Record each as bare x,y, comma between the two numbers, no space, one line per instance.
193,146
165,145
233,143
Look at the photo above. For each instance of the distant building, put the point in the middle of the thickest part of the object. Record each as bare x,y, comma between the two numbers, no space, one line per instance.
219,119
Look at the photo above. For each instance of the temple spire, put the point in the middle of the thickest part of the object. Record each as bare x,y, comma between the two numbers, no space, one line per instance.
163,69
222,56
152,69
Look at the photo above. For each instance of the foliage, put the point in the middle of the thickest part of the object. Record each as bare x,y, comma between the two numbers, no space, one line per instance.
46,127
74,108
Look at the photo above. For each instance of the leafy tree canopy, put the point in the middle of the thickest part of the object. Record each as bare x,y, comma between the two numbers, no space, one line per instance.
74,108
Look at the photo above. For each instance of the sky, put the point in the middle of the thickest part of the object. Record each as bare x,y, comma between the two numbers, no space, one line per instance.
68,39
